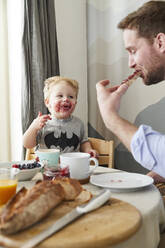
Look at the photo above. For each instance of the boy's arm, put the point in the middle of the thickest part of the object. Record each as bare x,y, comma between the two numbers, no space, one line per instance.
86,147
29,137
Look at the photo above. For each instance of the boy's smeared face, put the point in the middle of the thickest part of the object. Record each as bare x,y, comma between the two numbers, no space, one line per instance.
62,100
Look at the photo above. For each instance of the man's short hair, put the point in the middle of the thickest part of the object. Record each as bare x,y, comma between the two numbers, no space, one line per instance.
148,20
50,82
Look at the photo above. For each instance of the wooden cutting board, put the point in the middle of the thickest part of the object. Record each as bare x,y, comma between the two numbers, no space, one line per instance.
112,223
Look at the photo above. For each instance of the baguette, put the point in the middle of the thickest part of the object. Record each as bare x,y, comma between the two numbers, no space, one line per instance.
12,205
28,207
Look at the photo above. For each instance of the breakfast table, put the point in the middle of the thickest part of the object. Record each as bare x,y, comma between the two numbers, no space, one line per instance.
147,202
150,204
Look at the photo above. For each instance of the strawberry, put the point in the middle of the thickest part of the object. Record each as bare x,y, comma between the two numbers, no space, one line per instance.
15,166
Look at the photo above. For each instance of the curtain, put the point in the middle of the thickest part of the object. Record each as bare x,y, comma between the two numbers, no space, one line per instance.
40,56
10,78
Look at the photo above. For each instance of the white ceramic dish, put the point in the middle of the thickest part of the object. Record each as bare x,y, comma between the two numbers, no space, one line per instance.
25,174
121,181
101,169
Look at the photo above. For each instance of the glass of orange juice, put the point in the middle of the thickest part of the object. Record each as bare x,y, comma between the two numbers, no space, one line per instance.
8,185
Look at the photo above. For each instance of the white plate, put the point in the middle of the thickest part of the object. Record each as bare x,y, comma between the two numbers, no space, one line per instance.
121,181
101,169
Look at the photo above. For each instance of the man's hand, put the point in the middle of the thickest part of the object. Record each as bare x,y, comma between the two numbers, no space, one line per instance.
109,99
157,178
109,103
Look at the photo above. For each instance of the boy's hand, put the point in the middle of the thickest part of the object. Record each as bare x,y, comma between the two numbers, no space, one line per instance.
40,121
93,153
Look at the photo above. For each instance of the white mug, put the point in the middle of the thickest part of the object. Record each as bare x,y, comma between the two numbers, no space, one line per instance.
78,163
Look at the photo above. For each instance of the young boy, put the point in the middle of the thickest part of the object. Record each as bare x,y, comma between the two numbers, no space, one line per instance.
59,129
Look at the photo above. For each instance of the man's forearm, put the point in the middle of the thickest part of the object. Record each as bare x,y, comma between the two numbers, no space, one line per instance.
123,129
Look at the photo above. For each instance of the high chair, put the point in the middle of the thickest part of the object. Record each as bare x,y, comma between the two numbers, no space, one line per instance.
30,154
105,150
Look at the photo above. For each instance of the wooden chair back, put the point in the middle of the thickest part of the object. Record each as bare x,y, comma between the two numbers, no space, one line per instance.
30,154
105,150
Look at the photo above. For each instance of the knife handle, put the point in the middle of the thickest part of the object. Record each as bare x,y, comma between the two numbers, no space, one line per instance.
96,202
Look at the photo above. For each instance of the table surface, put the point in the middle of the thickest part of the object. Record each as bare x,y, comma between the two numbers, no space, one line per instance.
150,204
148,201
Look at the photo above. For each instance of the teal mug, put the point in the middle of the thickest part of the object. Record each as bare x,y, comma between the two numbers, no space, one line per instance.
49,157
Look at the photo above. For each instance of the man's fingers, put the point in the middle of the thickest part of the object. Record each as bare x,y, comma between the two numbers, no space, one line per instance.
114,88
119,89
122,89
102,83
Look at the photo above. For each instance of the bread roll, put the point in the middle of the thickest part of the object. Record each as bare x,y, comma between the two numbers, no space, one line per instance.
72,187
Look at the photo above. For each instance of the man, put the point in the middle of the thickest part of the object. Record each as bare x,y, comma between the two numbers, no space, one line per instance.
144,39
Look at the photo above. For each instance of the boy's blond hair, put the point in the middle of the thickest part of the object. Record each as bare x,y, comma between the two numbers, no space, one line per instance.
50,82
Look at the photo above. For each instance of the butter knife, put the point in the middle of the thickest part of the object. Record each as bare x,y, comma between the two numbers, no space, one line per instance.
95,203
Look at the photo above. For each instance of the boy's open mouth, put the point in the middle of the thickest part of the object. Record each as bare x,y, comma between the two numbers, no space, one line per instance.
65,107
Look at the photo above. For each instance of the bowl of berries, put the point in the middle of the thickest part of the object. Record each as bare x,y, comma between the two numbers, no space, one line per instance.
27,169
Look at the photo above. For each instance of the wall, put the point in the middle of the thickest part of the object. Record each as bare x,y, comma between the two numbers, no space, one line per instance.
71,35
5,151
106,59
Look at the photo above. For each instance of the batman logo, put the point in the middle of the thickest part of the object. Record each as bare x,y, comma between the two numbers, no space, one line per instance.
62,141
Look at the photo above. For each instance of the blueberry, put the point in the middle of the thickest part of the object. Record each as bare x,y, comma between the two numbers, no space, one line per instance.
38,165
33,165
23,166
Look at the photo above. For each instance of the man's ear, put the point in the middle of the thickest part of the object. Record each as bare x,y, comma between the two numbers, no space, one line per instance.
160,42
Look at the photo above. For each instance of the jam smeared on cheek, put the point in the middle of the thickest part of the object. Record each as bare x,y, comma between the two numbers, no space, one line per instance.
64,107
57,107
